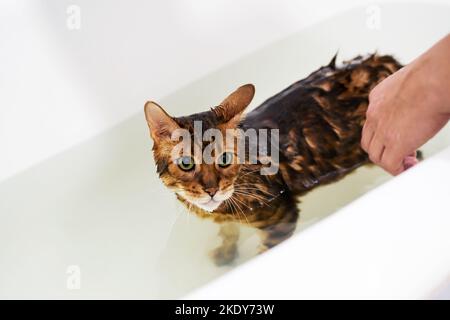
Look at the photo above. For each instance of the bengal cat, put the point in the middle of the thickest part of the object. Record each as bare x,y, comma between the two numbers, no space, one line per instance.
318,120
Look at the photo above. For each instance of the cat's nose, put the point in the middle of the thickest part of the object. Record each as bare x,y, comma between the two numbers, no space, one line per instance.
212,191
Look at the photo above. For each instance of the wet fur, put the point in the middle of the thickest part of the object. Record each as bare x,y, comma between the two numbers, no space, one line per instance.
320,119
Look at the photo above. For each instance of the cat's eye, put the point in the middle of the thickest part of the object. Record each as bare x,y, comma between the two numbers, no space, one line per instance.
185,163
225,159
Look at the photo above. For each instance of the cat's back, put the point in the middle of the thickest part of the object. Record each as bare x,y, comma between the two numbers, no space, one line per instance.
320,118
337,91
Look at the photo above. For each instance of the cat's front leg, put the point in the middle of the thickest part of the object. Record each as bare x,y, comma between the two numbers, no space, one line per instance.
227,251
280,229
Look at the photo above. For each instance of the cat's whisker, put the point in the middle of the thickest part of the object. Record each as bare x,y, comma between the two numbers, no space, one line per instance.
257,198
245,184
250,172
249,192
252,187
276,196
240,201
260,201
232,207
238,207
256,189
229,205
235,205
243,213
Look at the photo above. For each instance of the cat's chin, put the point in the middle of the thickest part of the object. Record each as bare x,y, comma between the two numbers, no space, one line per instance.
209,206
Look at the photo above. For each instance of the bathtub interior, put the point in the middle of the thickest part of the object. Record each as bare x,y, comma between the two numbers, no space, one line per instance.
101,207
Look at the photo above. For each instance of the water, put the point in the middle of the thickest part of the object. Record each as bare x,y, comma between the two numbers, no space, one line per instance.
101,207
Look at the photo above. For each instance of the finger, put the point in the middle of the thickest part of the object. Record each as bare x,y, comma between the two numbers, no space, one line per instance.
376,149
367,135
409,161
392,161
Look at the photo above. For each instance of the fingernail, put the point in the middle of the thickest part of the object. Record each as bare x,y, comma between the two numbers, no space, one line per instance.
409,162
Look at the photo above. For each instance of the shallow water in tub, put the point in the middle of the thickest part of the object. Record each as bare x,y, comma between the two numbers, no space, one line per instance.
96,222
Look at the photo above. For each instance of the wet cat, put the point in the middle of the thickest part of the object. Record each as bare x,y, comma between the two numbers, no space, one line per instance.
318,121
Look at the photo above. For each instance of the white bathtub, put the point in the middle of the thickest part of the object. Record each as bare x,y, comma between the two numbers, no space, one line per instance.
94,221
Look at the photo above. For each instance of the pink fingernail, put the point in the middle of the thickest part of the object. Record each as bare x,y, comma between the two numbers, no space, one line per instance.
409,162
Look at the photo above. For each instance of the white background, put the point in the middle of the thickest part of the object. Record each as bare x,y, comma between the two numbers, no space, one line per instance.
94,206
186,40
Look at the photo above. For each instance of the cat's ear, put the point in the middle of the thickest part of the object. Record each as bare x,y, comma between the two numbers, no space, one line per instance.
161,125
233,105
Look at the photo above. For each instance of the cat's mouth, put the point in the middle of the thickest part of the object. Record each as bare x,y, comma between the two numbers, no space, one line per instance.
209,206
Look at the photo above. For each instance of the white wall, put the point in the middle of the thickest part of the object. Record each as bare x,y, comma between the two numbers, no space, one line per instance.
60,86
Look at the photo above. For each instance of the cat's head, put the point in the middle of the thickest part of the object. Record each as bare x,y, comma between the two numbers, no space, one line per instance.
205,184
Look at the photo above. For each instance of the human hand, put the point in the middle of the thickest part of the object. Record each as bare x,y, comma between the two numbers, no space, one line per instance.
407,109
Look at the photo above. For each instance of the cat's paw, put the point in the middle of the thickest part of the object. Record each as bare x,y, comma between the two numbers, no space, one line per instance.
262,248
224,255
